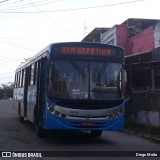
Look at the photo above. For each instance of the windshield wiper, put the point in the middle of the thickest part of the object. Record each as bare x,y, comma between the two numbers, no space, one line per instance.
101,72
78,69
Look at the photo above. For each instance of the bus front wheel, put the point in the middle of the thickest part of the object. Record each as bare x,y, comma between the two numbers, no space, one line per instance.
21,118
39,131
96,133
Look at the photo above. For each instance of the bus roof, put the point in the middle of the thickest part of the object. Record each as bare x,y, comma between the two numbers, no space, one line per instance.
44,52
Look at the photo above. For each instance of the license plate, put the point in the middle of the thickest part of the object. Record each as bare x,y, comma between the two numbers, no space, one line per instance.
87,124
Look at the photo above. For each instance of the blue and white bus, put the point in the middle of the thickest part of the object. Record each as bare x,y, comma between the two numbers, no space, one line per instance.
72,86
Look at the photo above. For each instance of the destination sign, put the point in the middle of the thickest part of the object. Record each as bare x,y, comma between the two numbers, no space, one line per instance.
85,51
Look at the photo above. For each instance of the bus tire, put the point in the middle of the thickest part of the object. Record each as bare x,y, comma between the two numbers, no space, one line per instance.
39,131
21,119
96,133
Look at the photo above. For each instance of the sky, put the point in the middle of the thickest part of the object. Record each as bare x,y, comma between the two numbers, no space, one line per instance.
28,26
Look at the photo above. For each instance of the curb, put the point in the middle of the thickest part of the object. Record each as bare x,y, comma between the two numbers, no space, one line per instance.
154,139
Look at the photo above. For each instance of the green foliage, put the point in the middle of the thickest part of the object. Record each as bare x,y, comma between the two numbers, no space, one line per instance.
6,90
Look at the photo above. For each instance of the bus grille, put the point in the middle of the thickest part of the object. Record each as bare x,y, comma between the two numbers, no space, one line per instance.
89,104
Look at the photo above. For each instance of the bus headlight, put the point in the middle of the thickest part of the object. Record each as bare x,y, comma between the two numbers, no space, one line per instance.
63,115
117,114
51,109
55,112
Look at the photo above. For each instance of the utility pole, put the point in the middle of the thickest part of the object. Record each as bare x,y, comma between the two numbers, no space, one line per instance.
85,28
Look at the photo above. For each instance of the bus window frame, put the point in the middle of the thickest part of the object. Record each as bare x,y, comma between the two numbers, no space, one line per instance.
32,66
15,81
21,82
24,77
19,75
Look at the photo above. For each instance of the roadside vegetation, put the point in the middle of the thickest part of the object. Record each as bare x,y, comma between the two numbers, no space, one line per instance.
6,90
144,131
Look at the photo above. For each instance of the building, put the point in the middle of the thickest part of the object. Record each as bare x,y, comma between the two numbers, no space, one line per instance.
117,35
141,40
95,35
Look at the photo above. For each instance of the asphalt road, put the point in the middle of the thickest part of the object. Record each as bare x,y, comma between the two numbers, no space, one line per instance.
15,136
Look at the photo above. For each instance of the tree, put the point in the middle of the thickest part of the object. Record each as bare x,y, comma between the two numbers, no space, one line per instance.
6,90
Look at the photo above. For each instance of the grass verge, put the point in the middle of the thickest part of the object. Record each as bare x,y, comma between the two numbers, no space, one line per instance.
131,126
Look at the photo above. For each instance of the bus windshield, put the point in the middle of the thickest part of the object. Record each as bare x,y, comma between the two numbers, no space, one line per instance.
69,79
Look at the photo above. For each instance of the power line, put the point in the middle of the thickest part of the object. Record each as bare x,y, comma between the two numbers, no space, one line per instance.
3,1
10,59
54,20
10,3
76,9
22,39
28,5
17,46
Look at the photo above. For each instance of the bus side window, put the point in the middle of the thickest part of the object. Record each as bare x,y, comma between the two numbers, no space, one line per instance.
15,82
17,79
32,75
20,79
33,72
23,78
22,72
18,82
36,73
29,75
